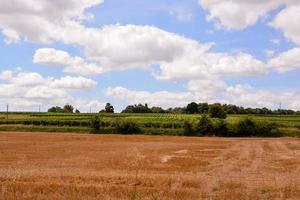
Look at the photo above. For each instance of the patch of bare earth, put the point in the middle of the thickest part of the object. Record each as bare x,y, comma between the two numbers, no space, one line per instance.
68,166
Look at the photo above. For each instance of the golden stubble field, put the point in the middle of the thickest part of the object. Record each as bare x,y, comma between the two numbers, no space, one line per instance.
69,166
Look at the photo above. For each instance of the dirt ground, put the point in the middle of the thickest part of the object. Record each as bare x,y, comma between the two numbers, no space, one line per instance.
72,166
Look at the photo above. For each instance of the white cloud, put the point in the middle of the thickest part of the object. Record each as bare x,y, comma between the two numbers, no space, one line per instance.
6,75
42,20
119,47
115,47
237,14
286,61
181,12
74,65
210,86
288,21
276,41
69,82
248,96
269,53
162,98
26,90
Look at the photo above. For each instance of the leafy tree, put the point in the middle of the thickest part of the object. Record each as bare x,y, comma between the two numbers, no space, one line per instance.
109,108
128,109
77,111
68,108
176,110
203,108
140,108
157,110
192,108
55,109
205,126
216,111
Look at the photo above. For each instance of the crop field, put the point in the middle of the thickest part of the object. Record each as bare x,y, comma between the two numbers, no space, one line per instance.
80,166
154,124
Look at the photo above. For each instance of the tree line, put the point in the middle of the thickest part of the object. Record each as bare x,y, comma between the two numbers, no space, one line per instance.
215,109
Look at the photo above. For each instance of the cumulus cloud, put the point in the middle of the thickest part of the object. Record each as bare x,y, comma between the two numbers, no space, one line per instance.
162,98
69,82
118,47
239,14
288,22
74,65
286,61
43,20
24,90
248,96
115,46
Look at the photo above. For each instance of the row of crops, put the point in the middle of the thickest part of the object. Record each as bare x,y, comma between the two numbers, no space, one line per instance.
148,121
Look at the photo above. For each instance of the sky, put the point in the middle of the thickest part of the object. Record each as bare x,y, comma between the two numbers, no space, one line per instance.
165,53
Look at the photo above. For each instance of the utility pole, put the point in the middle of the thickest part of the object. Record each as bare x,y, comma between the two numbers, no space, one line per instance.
39,108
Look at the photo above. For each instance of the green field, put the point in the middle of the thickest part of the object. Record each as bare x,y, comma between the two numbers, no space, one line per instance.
162,124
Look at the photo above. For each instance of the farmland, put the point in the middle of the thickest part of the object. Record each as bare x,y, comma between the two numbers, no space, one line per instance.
80,166
154,124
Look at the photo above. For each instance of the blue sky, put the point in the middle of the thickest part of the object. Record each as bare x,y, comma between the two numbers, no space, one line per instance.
151,52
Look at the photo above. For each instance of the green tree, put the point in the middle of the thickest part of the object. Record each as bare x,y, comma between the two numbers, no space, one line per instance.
203,108
217,111
109,108
205,126
157,110
55,109
192,108
68,108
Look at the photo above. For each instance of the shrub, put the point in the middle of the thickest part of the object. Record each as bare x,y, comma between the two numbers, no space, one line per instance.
127,127
266,129
95,124
220,128
245,128
204,126
188,129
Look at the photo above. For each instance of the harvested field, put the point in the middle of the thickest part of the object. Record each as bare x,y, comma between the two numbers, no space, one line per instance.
73,166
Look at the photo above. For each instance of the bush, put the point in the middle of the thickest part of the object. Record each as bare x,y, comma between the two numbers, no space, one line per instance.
245,128
220,128
127,127
188,129
266,129
248,127
204,126
95,124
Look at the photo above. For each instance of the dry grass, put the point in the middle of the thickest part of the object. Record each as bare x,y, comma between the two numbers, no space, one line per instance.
66,166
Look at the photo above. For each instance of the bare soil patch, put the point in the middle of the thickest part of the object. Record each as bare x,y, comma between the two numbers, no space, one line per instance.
72,166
